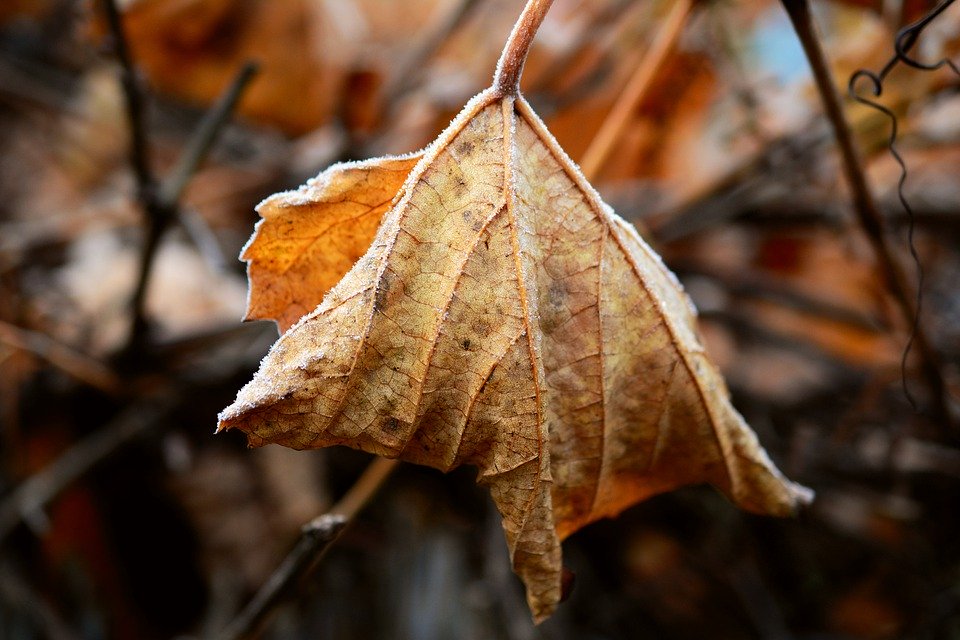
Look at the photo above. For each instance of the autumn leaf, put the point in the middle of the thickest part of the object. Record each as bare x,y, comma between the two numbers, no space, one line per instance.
503,317
191,48
310,237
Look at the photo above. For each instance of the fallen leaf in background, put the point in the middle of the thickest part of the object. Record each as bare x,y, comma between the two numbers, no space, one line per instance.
309,52
21,9
191,49
504,317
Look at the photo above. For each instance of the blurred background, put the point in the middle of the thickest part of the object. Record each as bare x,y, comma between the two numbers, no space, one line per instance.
123,516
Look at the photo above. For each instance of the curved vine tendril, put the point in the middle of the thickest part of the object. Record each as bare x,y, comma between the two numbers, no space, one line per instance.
904,41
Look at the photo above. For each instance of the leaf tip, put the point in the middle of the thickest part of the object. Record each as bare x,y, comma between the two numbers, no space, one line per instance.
234,417
224,421
802,496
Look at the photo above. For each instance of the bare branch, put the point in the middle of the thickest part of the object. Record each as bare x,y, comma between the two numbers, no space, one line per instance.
161,204
139,152
865,205
79,365
15,591
27,501
315,538
410,71
204,136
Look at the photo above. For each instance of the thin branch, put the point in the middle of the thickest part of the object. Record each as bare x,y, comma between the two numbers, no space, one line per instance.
757,286
16,591
507,77
364,488
139,153
315,538
27,501
597,31
865,205
69,360
636,89
204,136
410,71
694,212
161,204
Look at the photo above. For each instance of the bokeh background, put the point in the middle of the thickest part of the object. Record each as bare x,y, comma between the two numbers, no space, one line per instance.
123,516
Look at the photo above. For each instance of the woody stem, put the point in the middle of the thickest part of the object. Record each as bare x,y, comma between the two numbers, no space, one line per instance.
506,80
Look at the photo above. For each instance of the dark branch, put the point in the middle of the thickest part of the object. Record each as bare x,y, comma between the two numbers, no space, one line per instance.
79,365
17,593
28,500
865,205
410,72
204,136
161,205
315,538
139,154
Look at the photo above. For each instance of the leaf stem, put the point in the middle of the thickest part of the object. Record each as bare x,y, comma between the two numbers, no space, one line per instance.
864,203
506,80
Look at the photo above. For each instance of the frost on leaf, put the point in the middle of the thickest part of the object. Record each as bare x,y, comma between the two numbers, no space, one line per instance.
310,237
503,317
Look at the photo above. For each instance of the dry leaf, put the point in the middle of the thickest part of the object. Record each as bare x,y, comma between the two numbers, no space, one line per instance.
504,317
191,48
310,237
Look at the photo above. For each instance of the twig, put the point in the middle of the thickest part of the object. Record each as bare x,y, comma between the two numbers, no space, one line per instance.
694,212
757,286
635,91
161,204
748,584
363,489
139,153
204,136
409,73
865,205
15,591
506,80
27,501
77,364
597,31
745,326
315,538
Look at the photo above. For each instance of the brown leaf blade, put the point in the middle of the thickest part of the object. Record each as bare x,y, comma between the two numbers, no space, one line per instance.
309,238
505,318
